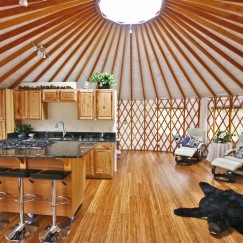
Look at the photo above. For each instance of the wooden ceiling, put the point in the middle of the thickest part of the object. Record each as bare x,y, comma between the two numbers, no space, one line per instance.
194,48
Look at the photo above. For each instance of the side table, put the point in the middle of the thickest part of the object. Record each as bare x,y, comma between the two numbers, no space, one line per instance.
217,150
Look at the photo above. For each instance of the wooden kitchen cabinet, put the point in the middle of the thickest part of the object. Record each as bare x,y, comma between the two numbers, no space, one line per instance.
100,161
7,123
104,105
2,129
86,104
29,105
2,104
103,163
50,95
68,95
35,108
62,95
2,114
96,104
89,164
20,110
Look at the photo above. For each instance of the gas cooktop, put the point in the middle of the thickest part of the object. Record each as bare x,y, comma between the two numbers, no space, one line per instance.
16,143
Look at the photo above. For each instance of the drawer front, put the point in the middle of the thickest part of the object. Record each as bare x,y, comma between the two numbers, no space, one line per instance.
50,96
104,146
68,95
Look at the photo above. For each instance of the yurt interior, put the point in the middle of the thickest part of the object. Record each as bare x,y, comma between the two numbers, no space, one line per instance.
156,156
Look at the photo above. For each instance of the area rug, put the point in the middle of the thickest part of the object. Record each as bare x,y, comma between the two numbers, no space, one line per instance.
222,209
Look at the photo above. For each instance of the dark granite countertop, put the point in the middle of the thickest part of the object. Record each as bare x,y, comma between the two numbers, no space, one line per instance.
59,149
73,136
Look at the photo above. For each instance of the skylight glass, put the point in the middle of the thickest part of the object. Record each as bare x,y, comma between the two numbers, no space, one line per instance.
130,11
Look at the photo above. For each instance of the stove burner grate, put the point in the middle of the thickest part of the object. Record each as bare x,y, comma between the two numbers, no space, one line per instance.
24,144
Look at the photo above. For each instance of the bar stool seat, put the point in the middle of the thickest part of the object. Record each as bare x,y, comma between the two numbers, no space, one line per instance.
3,222
51,174
54,232
23,229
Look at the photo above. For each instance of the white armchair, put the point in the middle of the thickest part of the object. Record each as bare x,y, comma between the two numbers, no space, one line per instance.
232,163
189,150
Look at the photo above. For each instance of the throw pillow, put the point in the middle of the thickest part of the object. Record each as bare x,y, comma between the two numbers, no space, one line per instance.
185,141
194,141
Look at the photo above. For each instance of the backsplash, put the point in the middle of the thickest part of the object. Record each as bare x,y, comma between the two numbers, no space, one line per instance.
67,112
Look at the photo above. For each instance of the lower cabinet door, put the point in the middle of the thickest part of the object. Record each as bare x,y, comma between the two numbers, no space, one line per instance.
89,164
103,163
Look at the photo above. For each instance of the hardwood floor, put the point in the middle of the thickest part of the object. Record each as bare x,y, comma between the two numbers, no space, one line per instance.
137,205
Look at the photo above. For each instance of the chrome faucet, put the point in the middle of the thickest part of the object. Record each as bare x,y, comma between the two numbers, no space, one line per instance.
64,131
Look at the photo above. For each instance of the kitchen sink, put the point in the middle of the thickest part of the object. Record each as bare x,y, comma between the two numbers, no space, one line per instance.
67,139
56,139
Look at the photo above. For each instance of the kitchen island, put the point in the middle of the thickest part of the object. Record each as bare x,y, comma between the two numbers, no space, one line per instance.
61,155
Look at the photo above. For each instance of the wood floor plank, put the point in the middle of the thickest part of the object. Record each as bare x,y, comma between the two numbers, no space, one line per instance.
137,205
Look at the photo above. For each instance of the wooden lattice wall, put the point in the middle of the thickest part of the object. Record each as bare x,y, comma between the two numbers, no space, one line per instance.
152,124
225,113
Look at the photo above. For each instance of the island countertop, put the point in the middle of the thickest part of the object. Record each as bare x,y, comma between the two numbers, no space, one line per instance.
59,149
58,156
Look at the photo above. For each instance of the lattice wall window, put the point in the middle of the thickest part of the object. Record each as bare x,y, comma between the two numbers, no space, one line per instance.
124,124
225,113
175,117
152,124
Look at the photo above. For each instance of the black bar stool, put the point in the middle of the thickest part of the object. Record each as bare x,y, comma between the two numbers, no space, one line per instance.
55,232
3,195
23,229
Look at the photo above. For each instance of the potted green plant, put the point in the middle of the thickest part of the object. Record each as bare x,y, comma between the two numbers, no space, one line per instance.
23,130
103,80
223,136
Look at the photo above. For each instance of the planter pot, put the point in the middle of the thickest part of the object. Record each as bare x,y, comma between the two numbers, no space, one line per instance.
23,135
105,86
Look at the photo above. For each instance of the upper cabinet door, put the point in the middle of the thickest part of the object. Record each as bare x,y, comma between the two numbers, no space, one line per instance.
68,95
59,95
2,105
20,107
50,95
7,123
86,105
104,105
28,105
2,130
34,104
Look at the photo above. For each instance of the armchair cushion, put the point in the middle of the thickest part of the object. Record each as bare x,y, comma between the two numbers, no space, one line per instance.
231,158
185,151
227,163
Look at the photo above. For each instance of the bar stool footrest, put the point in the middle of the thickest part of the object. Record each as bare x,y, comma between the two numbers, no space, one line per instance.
59,200
27,198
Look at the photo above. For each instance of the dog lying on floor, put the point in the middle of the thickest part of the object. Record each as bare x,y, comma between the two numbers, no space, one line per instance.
222,209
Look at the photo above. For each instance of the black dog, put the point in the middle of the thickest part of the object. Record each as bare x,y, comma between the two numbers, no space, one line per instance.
223,209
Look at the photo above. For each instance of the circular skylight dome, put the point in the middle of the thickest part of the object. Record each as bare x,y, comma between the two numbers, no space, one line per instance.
130,11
